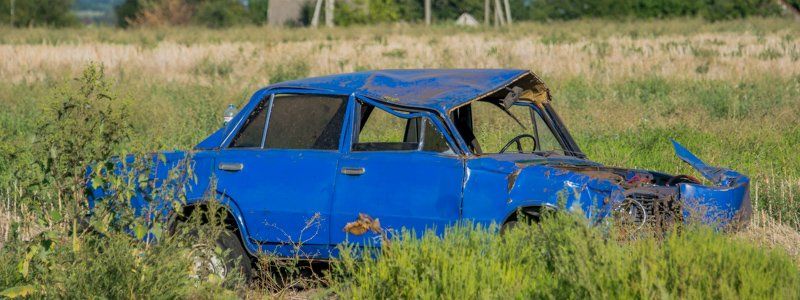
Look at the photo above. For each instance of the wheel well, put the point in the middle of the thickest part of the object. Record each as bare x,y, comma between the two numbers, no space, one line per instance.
229,220
532,213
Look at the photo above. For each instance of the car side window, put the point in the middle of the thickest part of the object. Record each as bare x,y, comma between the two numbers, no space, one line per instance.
305,122
547,141
382,131
252,131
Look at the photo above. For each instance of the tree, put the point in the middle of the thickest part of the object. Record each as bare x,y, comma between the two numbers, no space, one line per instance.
451,9
54,13
257,10
127,12
211,13
221,13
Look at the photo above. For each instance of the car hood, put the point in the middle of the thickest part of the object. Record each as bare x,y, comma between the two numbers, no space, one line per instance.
594,187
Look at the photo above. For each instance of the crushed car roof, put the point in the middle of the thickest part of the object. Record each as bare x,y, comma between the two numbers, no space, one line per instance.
435,89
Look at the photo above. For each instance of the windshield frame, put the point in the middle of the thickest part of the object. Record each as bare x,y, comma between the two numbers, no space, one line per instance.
548,115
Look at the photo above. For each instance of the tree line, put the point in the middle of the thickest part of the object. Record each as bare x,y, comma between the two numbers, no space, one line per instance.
225,13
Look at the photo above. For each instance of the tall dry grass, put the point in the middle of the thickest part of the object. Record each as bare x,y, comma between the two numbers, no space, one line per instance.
723,56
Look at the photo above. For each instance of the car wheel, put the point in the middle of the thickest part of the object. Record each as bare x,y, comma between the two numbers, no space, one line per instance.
508,226
221,258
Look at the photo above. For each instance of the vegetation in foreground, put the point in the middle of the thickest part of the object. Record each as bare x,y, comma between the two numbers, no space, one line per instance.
563,258
730,92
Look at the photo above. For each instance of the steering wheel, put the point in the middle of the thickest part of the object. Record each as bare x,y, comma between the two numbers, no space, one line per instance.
516,140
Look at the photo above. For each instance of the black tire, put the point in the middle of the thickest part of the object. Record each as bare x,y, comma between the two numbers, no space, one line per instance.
234,258
237,257
508,226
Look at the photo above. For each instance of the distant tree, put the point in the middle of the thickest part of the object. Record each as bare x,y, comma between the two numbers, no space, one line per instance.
164,13
732,9
367,12
127,12
451,9
221,13
210,13
641,9
412,10
56,13
257,10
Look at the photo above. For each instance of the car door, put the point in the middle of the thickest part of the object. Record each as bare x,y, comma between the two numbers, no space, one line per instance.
279,168
399,173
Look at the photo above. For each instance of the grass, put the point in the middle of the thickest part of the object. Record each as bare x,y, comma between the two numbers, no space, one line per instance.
563,258
728,91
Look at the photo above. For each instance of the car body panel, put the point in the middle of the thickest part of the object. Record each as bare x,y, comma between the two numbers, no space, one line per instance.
728,199
404,190
283,202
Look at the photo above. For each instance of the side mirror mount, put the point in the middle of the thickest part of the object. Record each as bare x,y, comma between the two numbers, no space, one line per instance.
229,113
512,97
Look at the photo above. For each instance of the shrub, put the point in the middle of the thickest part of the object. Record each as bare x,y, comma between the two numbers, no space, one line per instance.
257,11
564,258
220,13
159,12
55,13
86,124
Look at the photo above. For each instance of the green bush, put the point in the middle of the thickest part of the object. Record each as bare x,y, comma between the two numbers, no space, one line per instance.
367,12
87,123
564,258
713,10
221,13
257,10
54,13
127,11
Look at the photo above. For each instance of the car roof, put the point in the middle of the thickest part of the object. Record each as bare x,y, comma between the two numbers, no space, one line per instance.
436,89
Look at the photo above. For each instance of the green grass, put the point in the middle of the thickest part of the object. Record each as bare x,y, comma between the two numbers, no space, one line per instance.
747,123
563,258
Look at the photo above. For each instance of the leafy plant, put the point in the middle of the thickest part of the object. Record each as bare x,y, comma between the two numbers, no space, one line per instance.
563,257
86,124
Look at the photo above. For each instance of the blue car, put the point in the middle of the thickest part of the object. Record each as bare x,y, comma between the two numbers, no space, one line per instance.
309,164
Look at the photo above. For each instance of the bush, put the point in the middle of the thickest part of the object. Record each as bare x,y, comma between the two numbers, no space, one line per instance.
367,12
258,10
220,13
113,253
564,258
127,12
86,124
210,13
55,13
712,10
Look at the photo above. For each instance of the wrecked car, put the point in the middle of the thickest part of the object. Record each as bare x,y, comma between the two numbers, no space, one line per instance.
309,164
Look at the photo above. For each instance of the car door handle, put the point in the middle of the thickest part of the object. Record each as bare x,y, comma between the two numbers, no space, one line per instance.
231,167
353,171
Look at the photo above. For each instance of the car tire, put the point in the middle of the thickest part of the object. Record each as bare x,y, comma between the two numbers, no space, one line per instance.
508,226
233,257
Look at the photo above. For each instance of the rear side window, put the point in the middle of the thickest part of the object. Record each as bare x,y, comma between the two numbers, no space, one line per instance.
382,131
305,122
253,128
433,140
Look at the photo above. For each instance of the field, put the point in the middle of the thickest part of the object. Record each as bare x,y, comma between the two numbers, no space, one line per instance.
729,91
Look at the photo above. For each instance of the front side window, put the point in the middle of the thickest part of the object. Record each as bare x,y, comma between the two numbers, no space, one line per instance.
547,141
305,122
379,130
252,131
489,127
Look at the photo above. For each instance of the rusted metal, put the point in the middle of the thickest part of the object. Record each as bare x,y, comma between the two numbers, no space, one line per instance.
363,224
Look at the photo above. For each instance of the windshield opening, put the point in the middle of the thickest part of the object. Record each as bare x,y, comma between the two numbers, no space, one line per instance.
489,127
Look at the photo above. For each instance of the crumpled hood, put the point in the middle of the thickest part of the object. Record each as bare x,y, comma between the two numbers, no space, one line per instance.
594,188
